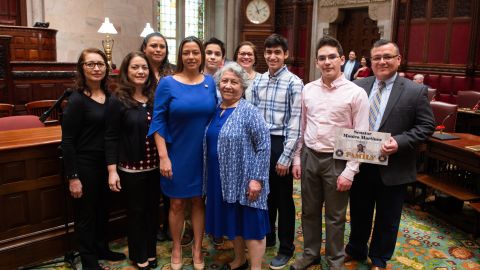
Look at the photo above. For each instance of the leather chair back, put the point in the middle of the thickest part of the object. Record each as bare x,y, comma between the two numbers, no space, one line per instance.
445,114
467,99
19,122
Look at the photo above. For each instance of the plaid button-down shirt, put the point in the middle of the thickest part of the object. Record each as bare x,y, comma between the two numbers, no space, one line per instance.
278,99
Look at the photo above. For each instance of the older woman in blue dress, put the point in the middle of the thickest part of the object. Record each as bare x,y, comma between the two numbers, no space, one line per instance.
236,154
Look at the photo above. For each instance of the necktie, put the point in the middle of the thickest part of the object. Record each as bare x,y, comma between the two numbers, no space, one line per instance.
375,105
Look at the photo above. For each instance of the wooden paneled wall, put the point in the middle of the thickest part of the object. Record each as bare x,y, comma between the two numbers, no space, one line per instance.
31,44
294,21
439,36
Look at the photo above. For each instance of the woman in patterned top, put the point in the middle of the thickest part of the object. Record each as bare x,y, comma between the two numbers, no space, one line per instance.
132,157
236,166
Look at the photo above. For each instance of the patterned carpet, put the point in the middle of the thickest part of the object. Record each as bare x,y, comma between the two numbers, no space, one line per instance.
424,242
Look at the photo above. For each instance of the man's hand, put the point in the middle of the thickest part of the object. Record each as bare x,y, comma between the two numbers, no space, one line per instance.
343,184
75,187
390,146
297,171
281,170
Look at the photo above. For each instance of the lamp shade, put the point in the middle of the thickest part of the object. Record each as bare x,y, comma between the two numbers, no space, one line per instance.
147,30
107,27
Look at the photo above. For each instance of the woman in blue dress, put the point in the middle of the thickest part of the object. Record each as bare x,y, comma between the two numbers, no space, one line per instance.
236,166
183,105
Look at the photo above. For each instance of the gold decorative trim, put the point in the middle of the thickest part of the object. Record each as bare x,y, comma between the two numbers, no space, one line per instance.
334,3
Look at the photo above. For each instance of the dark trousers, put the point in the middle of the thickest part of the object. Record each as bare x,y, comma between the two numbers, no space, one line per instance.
143,195
369,193
280,200
90,211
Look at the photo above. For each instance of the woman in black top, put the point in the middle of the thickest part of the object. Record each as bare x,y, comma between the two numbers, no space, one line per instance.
83,129
132,157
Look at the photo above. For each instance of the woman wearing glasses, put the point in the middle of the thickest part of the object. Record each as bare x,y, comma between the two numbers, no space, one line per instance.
83,129
183,105
246,56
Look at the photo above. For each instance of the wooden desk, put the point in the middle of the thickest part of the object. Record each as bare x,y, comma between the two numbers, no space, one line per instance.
468,121
454,170
32,198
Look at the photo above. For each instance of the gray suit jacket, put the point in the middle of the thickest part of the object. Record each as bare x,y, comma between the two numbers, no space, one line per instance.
409,118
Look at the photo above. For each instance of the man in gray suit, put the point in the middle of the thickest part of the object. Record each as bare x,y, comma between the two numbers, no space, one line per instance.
400,107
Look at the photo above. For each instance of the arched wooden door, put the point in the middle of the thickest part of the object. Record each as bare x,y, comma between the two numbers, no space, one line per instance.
357,32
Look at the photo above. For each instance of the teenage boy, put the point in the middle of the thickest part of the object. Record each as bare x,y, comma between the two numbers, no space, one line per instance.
328,103
276,94
214,55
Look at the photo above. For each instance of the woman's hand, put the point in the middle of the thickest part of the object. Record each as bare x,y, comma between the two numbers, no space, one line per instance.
166,167
254,189
75,187
114,181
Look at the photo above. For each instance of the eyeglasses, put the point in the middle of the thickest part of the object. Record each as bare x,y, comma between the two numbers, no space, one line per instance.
323,58
245,54
91,65
385,57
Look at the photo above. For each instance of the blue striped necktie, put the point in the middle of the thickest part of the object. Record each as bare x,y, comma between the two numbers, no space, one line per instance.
375,105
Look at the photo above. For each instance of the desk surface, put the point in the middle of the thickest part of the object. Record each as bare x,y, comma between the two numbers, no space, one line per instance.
456,151
20,138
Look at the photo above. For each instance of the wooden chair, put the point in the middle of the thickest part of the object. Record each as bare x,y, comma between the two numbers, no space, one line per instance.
6,109
39,107
467,99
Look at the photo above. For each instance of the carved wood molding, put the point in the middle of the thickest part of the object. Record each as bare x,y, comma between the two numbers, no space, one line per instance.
333,3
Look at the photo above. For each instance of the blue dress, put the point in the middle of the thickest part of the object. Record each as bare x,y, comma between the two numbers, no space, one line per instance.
222,218
180,115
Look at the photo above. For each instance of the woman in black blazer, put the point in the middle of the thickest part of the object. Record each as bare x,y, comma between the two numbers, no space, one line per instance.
132,157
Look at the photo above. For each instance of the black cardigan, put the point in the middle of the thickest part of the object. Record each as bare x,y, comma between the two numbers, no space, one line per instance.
126,132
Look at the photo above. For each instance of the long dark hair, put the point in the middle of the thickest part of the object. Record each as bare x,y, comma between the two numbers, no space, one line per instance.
81,81
180,50
126,89
165,68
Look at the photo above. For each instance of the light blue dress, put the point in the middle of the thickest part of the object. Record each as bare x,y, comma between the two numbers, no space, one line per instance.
180,115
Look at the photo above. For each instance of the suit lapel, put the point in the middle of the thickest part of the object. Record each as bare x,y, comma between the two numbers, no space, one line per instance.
397,89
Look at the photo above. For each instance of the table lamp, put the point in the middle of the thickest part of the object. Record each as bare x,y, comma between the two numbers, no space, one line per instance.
147,30
107,43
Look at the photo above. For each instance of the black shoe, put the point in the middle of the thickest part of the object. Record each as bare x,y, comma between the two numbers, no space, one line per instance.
146,267
241,267
162,236
111,256
153,264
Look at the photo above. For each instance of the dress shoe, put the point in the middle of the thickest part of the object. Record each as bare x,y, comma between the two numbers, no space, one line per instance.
146,267
280,261
111,256
176,266
374,267
303,263
241,267
153,264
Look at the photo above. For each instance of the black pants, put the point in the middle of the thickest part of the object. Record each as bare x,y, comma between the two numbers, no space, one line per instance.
143,195
369,193
280,200
90,211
